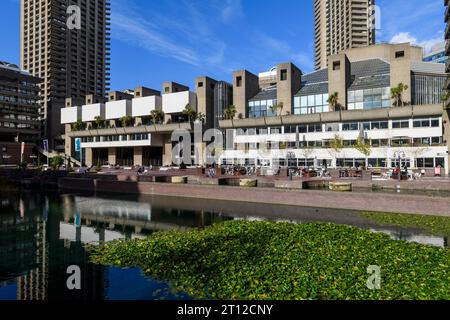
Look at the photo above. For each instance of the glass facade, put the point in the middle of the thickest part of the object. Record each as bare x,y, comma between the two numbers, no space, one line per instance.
223,98
369,98
311,104
262,108
427,89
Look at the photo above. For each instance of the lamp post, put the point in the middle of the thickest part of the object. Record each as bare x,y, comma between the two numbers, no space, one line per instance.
399,155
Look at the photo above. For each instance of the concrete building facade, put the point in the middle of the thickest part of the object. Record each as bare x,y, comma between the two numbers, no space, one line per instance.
415,127
72,62
301,133
340,25
19,113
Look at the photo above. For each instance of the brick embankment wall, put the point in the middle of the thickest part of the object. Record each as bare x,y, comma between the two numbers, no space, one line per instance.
382,202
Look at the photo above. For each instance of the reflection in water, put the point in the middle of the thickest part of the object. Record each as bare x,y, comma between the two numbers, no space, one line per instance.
41,235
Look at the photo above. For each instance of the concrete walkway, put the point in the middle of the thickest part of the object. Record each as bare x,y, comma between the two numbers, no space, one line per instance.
382,202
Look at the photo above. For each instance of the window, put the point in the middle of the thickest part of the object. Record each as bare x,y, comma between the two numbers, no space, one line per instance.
261,108
283,75
275,130
399,54
400,124
377,125
426,123
398,142
435,123
436,140
336,65
311,104
200,84
369,98
239,81
376,143
290,129
302,129
350,126
423,163
331,127
314,128
166,89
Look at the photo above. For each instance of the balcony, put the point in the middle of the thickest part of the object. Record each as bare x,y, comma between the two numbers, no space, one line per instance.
176,102
144,106
154,128
92,111
117,109
70,115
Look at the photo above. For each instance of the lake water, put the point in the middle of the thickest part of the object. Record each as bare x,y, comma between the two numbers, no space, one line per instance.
42,234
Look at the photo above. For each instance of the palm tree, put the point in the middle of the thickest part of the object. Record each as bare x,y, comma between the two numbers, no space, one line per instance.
275,108
333,100
189,112
99,123
200,117
397,94
78,126
230,112
126,121
157,116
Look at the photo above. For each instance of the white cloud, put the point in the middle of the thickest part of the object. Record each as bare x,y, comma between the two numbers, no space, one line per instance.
427,44
231,10
186,40
403,37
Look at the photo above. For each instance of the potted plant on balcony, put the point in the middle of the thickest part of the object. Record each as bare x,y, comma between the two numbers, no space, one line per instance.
78,126
157,116
189,113
200,117
99,123
126,121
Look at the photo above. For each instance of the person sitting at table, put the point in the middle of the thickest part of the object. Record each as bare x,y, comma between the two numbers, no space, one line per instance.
396,171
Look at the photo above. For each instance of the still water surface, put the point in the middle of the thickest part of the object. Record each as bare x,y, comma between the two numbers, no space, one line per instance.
42,234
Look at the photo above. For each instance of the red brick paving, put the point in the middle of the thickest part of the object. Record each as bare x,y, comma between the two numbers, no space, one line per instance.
382,202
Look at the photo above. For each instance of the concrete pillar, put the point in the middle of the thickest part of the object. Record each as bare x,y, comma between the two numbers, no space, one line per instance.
446,137
68,142
138,159
339,75
112,156
401,56
288,84
245,86
204,88
88,157
101,235
167,152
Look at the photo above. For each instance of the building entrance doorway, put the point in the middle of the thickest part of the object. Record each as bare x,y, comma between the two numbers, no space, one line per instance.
152,156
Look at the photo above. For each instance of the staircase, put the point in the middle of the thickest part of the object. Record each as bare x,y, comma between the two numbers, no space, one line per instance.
52,154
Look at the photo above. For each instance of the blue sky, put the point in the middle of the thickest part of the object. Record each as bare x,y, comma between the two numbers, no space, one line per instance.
178,40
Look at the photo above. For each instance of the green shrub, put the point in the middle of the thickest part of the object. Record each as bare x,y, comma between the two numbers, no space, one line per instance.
262,260
57,162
